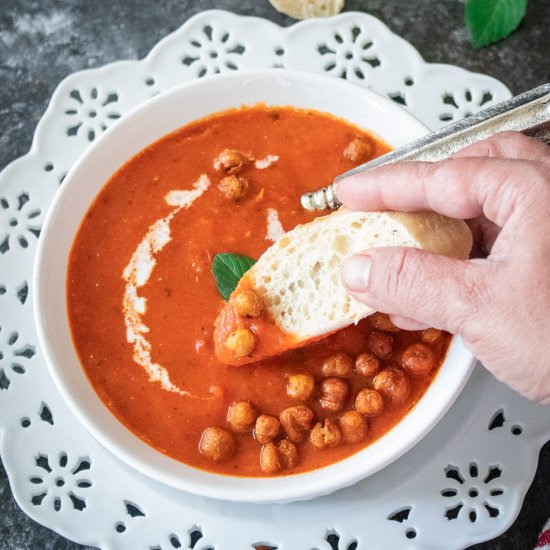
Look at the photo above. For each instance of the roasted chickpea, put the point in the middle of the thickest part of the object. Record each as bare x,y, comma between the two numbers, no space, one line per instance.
274,458
339,364
233,187
267,428
369,402
393,383
296,421
270,461
326,435
333,393
382,321
367,364
217,444
248,304
358,150
380,343
300,386
241,342
353,426
418,359
241,415
288,453
431,335
230,161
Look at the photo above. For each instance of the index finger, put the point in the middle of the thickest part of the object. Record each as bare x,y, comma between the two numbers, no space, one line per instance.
457,187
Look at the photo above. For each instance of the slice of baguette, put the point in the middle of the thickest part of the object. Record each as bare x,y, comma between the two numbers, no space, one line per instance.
306,9
299,281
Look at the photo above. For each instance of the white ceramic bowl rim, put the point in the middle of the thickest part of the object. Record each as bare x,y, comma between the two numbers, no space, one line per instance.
161,115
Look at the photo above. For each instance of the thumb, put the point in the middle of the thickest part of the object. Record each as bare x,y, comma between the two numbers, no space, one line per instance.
441,292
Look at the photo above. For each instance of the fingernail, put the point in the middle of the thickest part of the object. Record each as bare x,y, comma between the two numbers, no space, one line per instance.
355,273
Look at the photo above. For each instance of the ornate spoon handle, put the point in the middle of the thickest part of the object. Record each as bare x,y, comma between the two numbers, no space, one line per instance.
528,113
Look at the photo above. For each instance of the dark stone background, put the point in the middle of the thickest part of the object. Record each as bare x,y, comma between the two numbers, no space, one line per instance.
43,41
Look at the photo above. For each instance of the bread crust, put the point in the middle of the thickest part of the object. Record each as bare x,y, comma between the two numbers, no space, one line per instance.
436,233
306,9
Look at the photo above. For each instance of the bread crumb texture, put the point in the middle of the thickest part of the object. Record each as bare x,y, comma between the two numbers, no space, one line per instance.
306,9
299,276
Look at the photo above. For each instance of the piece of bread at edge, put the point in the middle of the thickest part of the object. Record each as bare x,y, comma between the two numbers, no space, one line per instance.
306,9
298,277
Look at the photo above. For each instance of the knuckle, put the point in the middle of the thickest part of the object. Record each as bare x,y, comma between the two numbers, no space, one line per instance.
502,144
472,296
496,142
531,185
493,147
536,172
394,275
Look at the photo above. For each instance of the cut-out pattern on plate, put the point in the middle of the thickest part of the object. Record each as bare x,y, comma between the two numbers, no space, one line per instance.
188,541
213,50
15,356
499,420
336,542
58,484
462,105
125,511
472,492
90,112
349,53
44,414
401,516
18,221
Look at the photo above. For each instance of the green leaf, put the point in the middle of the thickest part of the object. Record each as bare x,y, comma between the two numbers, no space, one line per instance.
228,269
492,20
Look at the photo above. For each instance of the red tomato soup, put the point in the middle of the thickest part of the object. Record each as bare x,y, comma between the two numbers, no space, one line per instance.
142,301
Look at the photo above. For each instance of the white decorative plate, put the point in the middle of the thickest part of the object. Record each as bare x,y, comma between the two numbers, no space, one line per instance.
462,484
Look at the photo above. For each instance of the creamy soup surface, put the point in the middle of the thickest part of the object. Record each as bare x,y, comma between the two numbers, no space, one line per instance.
142,299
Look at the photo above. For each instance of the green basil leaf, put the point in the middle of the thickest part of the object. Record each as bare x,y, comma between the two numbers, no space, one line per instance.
228,269
492,20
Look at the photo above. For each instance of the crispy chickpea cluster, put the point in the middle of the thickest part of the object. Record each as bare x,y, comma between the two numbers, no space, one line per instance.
296,421
332,401
231,162
277,457
242,341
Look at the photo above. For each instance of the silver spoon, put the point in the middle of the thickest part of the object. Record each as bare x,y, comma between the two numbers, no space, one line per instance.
528,113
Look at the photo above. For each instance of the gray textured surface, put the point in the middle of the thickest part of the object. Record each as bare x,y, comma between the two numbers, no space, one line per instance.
43,41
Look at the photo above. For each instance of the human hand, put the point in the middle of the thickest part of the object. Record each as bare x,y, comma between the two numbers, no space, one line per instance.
499,300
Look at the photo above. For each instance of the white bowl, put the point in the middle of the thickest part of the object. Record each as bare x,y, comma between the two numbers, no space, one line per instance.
131,134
